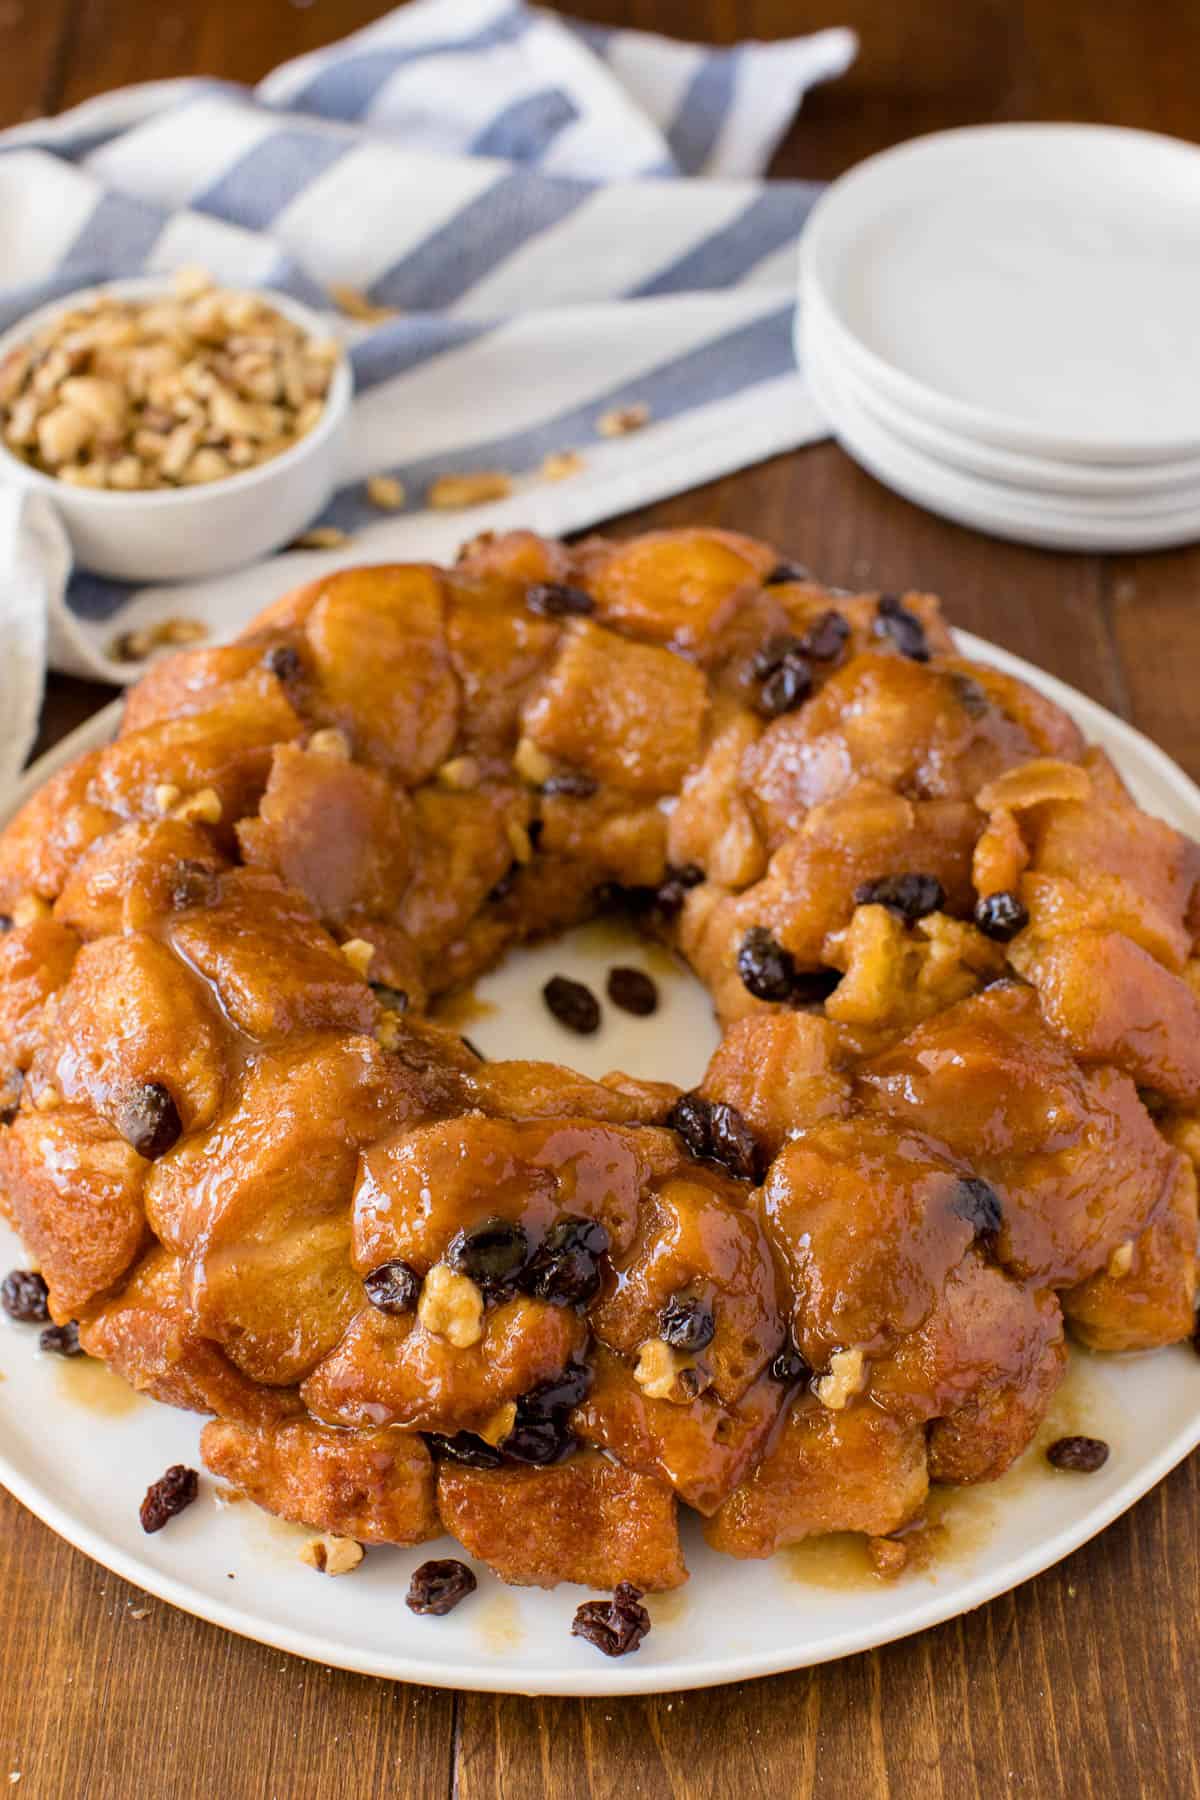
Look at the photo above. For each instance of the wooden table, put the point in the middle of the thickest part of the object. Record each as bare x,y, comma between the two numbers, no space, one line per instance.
1082,1683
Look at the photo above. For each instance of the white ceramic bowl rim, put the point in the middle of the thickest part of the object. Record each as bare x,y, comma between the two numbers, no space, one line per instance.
337,398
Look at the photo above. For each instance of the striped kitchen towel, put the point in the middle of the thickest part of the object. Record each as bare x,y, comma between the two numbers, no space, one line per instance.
551,223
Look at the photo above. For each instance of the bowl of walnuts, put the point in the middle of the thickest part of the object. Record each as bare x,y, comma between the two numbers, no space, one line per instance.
180,428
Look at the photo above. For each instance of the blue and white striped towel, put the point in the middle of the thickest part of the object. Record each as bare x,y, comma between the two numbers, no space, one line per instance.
565,219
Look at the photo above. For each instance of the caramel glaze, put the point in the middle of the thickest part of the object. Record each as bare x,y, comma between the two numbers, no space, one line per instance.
922,1150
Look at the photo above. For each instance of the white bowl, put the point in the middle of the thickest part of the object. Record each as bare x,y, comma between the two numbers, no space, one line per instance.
184,534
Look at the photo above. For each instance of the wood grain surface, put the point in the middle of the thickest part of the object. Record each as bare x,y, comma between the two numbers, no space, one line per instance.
1082,1683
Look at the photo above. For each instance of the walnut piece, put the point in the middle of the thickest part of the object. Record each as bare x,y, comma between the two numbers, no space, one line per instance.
332,1555
847,1377
451,1307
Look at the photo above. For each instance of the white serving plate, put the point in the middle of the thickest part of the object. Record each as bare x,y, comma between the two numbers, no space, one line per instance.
79,1450
1049,521
1032,286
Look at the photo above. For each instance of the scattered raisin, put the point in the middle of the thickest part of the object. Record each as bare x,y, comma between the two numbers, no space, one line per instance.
574,784
168,1496
826,637
572,1004
910,896
10,1095
148,1119
789,1366
438,1586
492,1252
615,1626
811,986
393,1287
766,968
6,922
192,885
284,662
714,1131
1001,915
463,1447
554,600
23,1296
392,999
979,1205
671,893
1084,1455
894,621
61,1340
686,1323
768,656
786,688
565,1268
633,991
541,1432
970,696
783,572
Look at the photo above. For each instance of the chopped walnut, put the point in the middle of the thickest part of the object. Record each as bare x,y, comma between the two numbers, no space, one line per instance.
451,491
358,953
385,492
519,841
330,742
451,1307
460,773
332,1555
532,764
137,645
354,303
200,808
847,1377
321,537
166,795
621,420
666,1374
560,465
887,1556
1121,1260
47,1099
499,1425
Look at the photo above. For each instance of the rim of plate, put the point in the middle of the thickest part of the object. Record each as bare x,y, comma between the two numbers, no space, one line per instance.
820,244
952,495
609,1679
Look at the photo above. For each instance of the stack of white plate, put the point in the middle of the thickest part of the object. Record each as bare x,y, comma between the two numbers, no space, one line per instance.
1003,324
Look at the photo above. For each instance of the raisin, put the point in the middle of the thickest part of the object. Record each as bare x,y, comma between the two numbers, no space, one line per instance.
573,783
894,621
393,1287
23,1296
463,1447
284,662
61,1340
970,696
572,1004
560,1392
811,986
554,600
148,1119
909,896
826,637
769,656
169,1495
1084,1455
392,999
786,688
979,1205
616,1626
492,1252
6,922
565,1269
10,1095
633,991
192,885
1001,916
671,893
541,1431
691,1117
783,572
789,1366
438,1586
686,1323
734,1145
766,968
